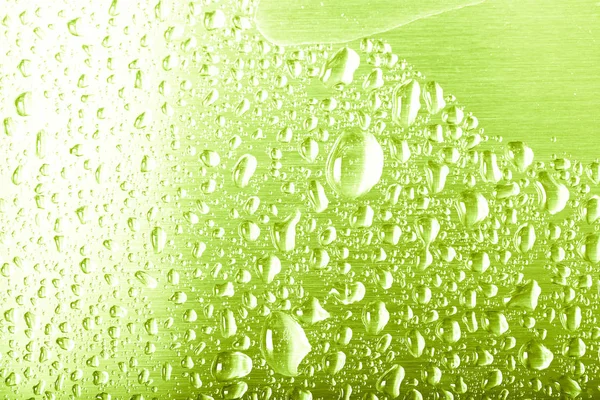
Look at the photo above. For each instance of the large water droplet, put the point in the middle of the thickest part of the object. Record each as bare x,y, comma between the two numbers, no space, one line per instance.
406,103
525,296
244,170
390,381
230,365
355,164
284,344
520,154
375,317
534,355
554,195
433,96
472,208
23,104
158,238
340,68
284,233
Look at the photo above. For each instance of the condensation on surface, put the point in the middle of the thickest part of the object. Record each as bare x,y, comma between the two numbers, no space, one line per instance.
189,211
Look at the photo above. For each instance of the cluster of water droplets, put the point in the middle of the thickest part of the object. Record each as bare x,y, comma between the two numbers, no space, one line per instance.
222,217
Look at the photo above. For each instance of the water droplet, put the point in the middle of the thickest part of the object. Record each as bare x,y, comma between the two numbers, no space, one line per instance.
350,293
590,247
490,171
74,26
428,229
433,96
448,330
268,267
495,322
231,365
210,158
23,104
249,231
525,296
334,362
472,208
520,154
390,381
355,164
492,379
284,344
553,195
244,170
311,311
317,197
525,238
436,174
283,233
406,103
214,20
374,80
375,317
158,238
309,150
340,68
146,279
415,342
399,149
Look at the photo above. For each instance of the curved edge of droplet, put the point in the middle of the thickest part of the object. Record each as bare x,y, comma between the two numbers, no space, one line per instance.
356,37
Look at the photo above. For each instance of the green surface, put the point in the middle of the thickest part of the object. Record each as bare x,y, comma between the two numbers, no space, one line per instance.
190,211
528,69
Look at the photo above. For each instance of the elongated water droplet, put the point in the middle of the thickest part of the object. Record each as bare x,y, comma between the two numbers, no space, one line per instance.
415,342
23,104
244,170
406,103
472,208
520,154
490,171
390,381
9,126
400,149
74,26
309,150
283,233
592,209
340,68
374,80
40,144
158,239
317,197
554,195
590,247
436,174
428,229
433,96
284,344
525,238
268,267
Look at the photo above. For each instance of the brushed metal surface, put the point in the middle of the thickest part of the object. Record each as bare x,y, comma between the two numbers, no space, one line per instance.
529,70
